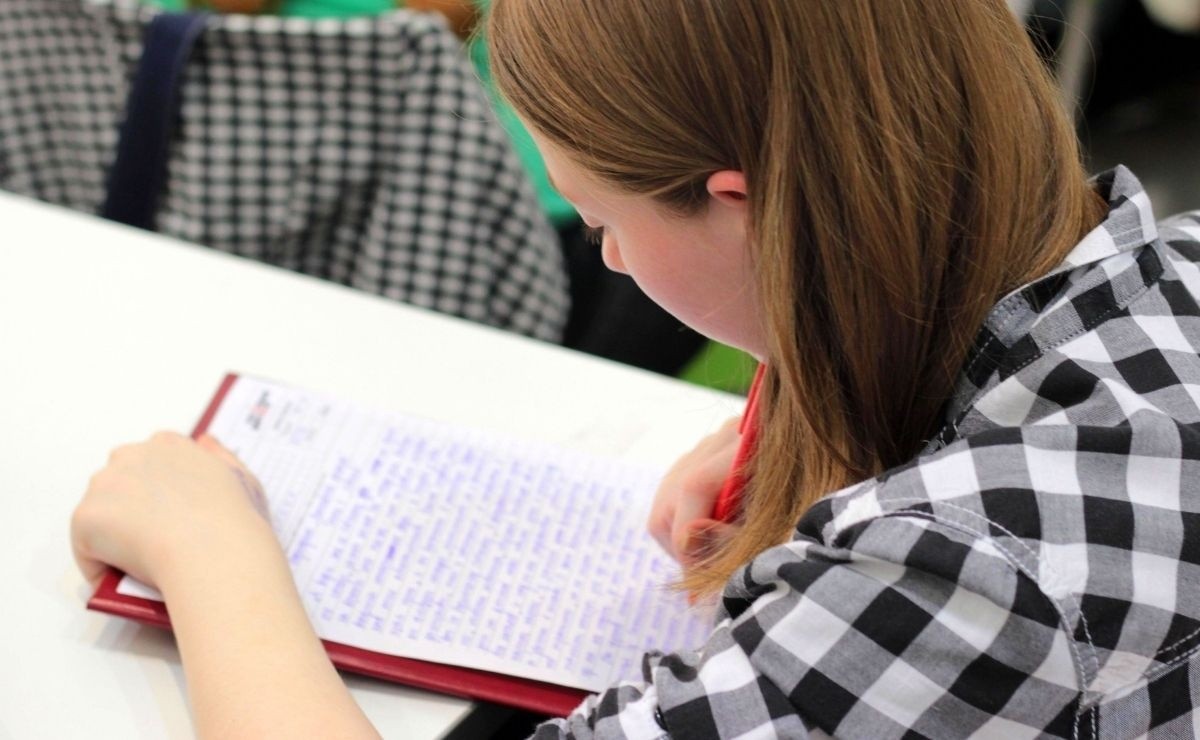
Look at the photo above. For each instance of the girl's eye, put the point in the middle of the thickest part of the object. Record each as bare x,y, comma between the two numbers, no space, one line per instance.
593,234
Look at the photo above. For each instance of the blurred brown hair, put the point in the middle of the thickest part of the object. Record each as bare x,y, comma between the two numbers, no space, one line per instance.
908,163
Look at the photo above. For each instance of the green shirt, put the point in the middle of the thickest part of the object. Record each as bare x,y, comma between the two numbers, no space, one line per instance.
557,209
308,8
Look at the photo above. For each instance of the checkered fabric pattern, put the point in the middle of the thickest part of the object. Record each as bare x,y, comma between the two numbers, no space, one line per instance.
362,151
1035,572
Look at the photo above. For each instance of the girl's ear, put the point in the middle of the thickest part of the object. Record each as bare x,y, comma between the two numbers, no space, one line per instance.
728,187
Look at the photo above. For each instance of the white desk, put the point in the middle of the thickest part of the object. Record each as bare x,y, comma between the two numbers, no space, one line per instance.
107,334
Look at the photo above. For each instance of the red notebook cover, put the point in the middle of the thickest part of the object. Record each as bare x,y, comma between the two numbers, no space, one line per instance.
470,683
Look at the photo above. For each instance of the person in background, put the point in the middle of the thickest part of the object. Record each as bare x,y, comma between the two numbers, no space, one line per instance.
609,316
971,490
317,8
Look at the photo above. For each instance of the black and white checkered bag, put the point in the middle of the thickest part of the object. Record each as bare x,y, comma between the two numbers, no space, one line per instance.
361,151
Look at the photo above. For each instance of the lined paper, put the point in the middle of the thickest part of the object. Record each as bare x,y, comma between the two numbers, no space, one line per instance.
426,540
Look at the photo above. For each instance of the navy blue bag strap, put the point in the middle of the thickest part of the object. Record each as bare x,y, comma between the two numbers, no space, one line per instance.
139,173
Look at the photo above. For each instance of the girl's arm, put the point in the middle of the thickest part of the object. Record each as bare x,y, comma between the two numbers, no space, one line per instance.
254,666
182,516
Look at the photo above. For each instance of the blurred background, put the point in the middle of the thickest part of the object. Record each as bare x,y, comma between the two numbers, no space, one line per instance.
1133,67
1129,70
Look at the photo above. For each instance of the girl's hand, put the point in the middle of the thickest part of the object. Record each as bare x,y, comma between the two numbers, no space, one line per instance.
681,517
188,518
166,501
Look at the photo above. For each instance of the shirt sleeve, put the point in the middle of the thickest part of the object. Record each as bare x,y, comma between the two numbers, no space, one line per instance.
907,624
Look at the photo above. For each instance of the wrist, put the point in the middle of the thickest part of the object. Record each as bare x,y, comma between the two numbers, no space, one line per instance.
248,558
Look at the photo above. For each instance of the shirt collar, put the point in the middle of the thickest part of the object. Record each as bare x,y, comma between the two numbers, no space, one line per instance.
1075,297
1128,225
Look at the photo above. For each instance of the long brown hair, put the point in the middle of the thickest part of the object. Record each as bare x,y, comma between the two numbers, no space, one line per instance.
907,161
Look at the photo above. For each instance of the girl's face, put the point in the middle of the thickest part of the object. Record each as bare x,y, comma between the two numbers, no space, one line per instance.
696,267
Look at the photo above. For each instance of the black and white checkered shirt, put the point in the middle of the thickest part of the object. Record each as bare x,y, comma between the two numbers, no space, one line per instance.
362,151
1035,572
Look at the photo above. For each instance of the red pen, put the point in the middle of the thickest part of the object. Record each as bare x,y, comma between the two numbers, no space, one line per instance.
730,497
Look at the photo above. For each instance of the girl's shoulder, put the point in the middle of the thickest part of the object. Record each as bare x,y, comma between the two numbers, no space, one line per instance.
1015,573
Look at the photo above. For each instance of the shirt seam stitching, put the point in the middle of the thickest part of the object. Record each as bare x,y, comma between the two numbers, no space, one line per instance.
1081,671
1093,696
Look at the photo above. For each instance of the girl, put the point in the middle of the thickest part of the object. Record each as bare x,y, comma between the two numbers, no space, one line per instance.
971,507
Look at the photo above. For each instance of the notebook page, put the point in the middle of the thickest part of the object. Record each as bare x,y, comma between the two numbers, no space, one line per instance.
417,538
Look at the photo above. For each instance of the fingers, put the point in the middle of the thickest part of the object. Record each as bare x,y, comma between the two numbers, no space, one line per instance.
92,517
659,525
689,491
94,520
700,486
697,498
209,443
250,483
703,536
164,494
92,569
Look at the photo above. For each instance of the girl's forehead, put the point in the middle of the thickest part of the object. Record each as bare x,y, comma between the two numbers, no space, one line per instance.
572,180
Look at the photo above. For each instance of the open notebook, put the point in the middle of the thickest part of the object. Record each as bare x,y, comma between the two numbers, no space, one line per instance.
449,558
